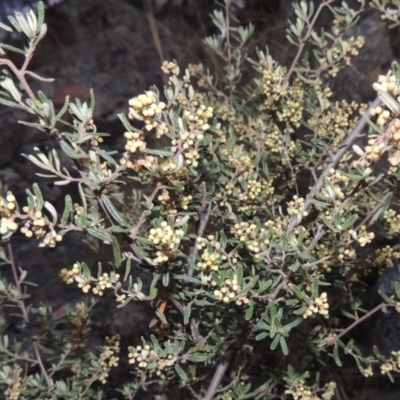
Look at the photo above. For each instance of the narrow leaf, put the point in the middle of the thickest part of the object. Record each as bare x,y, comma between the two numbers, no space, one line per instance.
187,313
104,237
68,209
116,251
38,77
12,48
70,152
336,356
39,196
108,204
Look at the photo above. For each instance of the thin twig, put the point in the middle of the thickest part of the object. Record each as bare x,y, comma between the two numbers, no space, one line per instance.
28,56
16,280
142,218
304,41
20,74
26,315
204,217
194,394
268,390
89,384
355,134
230,354
154,31
355,323
219,374
317,237
373,211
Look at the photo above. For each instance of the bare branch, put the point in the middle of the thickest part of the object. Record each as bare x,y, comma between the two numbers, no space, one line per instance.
355,134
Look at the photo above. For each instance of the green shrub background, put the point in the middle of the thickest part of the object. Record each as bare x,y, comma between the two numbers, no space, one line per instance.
251,211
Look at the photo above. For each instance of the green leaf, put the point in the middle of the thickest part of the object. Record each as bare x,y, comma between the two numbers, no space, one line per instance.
250,285
40,127
153,287
347,314
38,77
203,303
377,354
284,346
295,266
63,110
70,152
50,208
155,344
127,269
5,27
263,286
249,311
161,317
12,48
119,229
349,222
106,156
384,296
165,279
104,237
108,204
261,336
157,152
328,223
40,16
191,279
83,198
92,100
116,251
276,341
39,196
198,357
287,328
259,390
397,289
298,292
12,104
85,270
335,355
239,274
186,314
126,123
14,23
181,373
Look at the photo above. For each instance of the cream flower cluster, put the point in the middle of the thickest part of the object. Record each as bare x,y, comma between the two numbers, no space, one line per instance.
302,392
169,239
170,68
362,236
272,79
229,292
166,236
318,306
35,225
386,83
296,206
146,107
210,261
108,357
98,286
191,137
145,356
7,207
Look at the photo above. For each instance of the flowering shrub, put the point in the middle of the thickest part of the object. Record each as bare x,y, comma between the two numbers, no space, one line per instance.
256,280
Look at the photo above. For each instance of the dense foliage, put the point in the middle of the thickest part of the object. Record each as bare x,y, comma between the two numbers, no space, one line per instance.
257,278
